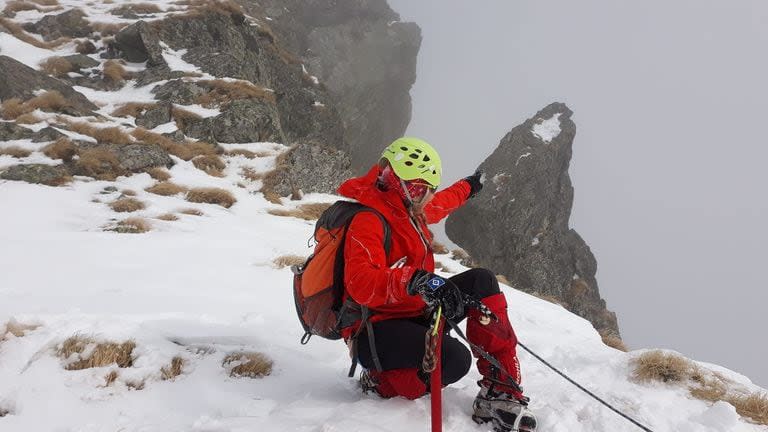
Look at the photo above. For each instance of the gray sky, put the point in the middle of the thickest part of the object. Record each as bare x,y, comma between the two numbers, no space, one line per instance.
669,165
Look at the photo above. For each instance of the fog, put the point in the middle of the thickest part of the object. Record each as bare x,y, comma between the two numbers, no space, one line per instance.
670,101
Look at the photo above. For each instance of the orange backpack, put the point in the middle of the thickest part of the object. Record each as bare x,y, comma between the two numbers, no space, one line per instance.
318,284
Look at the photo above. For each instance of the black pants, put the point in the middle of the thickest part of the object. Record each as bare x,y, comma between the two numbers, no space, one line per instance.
400,342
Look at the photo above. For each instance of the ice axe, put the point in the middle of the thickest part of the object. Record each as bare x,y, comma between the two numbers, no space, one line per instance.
433,364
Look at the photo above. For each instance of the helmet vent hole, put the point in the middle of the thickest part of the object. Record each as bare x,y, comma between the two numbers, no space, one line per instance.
422,166
434,172
426,158
413,156
418,150
409,163
404,148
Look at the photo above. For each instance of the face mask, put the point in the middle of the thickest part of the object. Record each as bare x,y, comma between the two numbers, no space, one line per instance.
417,192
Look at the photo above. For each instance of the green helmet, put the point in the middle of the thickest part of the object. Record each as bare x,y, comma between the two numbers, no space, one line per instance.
412,158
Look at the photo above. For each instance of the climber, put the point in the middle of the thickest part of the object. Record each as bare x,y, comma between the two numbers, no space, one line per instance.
396,288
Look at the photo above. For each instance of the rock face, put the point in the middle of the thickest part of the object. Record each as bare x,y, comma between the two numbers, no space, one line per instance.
68,24
518,225
364,55
21,81
36,173
308,167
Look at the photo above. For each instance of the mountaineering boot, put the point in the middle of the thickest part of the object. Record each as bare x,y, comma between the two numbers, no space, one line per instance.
394,382
498,339
506,412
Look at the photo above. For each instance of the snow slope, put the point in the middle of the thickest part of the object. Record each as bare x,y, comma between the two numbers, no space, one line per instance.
205,286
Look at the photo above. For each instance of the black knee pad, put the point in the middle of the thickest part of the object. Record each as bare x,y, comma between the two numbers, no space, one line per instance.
486,283
456,360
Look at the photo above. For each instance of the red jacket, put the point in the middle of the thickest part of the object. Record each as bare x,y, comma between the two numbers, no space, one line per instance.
368,276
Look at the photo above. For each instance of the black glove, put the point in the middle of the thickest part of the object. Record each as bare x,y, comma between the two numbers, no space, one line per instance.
436,290
475,183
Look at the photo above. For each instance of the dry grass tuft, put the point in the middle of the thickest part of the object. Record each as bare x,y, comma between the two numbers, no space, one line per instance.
251,174
662,366
110,378
173,370
14,6
241,152
754,406
28,118
613,341
51,101
503,279
133,225
463,257
305,211
191,212
166,189
439,248
168,217
137,8
132,109
99,164
159,174
60,149
84,353
248,364
128,193
16,329
21,34
218,196
273,197
221,92
203,7
56,66
709,389
107,135
127,205
183,117
114,72
185,151
108,28
15,151
288,260
211,164
85,47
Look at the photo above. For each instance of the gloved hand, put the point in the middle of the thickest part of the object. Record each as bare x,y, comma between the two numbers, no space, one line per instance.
475,183
436,290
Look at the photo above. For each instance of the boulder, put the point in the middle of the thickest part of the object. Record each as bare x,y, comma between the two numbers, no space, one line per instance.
308,167
518,225
242,121
80,61
10,131
179,92
52,175
47,134
133,157
71,23
156,116
21,81
139,43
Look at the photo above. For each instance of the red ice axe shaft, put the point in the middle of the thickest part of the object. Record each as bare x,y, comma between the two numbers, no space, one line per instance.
436,377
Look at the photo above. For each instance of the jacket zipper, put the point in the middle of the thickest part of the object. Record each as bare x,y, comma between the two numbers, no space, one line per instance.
423,240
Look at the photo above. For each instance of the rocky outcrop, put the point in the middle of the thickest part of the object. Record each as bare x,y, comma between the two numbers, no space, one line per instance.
71,23
36,173
10,131
308,167
518,225
20,81
365,57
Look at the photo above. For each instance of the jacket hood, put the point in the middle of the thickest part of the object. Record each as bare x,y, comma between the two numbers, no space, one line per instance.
363,189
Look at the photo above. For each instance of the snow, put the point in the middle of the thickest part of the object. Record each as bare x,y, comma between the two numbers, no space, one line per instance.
28,54
547,130
175,62
519,158
200,110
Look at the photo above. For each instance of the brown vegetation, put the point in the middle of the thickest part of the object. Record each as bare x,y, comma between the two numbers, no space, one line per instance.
248,364
211,164
132,225
15,329
463,257
133,109
168,217
241,152
14,6
51,101
310,211
128,193
15,151
114,72
85,47
56,66
102,353
185,151
60,149
173,370
106,135
136,8
218,196
662,366
110,378
251,174
183,117
166,189
754,406
191,212
221,92
127,205
109,28
21,34
613,341
439,248
159,174
203,7
28,118
288,260
99,164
